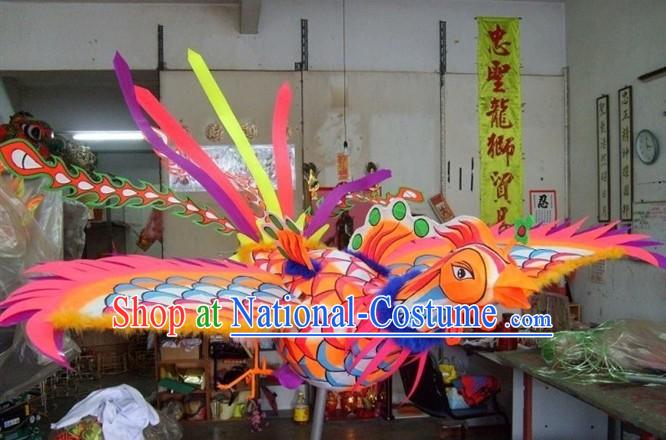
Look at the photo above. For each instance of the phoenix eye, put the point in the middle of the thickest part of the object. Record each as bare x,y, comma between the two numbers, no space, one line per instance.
462,273
463,279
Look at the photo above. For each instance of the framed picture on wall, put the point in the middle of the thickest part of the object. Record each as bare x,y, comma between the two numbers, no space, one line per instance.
603,160
441,208
543,205
626,128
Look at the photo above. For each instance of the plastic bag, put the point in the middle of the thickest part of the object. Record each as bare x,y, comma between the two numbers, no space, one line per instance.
31,224
122,411
168,428
75,219
449,373
24,367
614,351
30,229
88,428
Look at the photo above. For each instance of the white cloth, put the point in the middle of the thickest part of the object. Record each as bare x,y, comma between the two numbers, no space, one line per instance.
122,411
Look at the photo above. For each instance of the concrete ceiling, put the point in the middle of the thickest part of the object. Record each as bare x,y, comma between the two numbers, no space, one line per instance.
79,92
78,78
220,2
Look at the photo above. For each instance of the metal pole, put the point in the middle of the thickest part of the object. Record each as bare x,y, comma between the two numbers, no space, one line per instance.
567,146
443,168
318,416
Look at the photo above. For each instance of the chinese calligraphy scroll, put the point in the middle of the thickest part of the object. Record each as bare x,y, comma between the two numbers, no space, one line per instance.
626,153
603,159
500,133
543,205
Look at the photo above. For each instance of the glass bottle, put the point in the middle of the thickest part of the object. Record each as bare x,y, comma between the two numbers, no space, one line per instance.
301,410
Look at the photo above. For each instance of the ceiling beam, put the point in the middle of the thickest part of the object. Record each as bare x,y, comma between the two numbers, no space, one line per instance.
250,10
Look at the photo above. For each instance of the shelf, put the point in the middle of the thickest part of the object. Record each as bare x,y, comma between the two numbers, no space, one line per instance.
408,411
206,363
240,387
184,362
194,422
165,395
201,362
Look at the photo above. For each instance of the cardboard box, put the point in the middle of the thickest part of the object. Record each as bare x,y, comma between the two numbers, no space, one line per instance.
177,353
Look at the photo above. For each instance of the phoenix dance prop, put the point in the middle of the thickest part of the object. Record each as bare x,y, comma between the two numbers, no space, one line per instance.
280,259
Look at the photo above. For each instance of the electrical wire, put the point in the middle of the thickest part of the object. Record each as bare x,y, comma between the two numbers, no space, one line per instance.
344,70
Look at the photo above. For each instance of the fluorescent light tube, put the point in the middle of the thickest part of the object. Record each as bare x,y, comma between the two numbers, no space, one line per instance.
108,136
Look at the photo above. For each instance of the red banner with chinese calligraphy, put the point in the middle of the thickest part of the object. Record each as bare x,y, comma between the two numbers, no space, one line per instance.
500,133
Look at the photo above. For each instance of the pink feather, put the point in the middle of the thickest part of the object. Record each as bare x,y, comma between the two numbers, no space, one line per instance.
37,301
281,150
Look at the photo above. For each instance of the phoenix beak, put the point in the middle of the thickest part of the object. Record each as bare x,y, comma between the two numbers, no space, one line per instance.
513,288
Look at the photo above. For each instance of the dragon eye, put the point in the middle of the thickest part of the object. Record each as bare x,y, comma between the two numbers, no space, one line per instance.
34,132
23,161
462,273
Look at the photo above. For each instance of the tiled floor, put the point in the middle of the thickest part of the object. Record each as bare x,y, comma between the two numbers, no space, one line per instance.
410,429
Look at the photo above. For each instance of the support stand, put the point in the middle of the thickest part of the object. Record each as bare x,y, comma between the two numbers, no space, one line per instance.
318,416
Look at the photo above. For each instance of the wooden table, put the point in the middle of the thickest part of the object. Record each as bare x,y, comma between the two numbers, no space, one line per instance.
642,406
